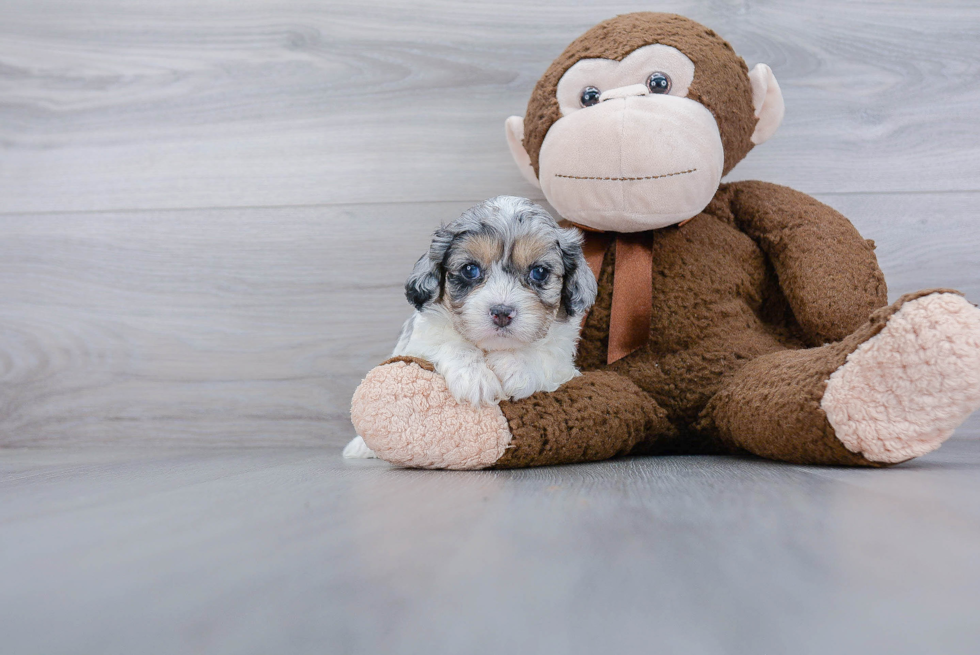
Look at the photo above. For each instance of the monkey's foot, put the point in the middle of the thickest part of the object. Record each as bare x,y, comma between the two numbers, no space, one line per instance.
905,390
406,415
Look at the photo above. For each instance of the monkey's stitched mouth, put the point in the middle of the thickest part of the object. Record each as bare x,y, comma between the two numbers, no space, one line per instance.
624,179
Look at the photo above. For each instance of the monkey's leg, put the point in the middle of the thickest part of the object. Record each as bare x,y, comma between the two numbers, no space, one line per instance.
406,415
893,390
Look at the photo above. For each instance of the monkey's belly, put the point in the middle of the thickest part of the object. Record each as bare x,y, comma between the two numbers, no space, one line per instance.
716,305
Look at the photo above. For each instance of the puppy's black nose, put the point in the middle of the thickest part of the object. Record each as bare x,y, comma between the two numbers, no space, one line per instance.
502,315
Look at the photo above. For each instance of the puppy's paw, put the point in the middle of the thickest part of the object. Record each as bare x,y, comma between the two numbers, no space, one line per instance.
475,384
516,378
517,384
357,449
521,376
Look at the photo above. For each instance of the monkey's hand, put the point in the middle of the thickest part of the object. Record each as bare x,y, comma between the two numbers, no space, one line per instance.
407,416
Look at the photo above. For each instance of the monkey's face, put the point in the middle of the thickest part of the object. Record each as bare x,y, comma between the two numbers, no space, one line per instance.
634,125
631,152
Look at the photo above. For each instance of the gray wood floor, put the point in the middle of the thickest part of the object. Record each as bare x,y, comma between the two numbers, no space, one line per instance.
292,550
207,211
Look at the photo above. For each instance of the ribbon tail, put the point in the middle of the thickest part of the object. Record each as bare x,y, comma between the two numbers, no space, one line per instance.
594,248
632,300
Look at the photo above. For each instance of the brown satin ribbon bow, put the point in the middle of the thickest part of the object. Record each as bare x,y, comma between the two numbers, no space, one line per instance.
632,299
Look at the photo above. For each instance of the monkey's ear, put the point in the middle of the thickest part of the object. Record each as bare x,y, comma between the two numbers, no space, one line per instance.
768,102
515,139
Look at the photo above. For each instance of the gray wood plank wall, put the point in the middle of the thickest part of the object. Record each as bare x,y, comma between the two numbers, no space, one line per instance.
207,210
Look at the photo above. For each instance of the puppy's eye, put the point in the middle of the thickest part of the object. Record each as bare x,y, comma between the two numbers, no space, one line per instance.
658,82
538,274
470,272
590,96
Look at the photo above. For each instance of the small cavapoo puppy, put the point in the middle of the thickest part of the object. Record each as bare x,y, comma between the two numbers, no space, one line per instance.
499,300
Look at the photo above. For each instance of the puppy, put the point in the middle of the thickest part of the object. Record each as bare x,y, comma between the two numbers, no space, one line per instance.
499,300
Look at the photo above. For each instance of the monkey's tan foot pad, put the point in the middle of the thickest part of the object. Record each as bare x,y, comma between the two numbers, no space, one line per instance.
905,390
407,416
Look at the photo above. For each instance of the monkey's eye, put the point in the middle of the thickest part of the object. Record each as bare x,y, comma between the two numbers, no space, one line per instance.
538,274
590,96
470,272
658,83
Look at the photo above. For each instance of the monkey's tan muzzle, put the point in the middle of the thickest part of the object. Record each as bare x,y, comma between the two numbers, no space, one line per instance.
633,162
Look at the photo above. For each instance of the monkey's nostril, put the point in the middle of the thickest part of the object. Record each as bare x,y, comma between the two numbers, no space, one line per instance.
502,315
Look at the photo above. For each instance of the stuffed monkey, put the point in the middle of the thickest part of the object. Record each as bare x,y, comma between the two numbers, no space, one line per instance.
738,317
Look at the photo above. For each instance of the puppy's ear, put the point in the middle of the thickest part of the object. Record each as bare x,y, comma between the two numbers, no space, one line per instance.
579,288
425,283
422,285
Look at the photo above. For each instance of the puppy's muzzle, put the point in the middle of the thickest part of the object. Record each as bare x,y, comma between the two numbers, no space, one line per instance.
502,315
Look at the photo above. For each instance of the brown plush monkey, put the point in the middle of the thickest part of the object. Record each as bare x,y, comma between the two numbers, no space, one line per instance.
730,317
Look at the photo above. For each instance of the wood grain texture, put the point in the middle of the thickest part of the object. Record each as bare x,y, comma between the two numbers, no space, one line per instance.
253,326
296,551
107,106
210,326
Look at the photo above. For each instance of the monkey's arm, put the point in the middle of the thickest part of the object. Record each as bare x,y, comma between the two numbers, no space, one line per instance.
406,415
828,272
595,416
